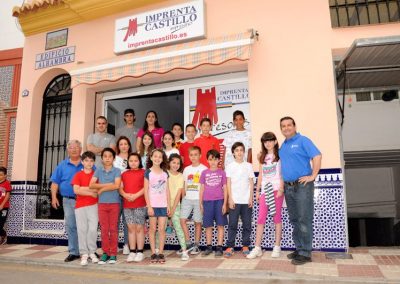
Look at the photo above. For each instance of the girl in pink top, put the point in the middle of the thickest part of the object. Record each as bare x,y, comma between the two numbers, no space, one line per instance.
156,193
269,183
152,125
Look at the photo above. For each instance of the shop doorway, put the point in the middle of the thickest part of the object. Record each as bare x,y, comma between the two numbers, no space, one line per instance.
169,107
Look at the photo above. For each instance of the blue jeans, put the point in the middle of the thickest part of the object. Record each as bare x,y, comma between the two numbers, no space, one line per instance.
300,205
70,225
244,212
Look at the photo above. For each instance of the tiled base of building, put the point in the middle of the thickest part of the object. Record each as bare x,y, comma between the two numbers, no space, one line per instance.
329,219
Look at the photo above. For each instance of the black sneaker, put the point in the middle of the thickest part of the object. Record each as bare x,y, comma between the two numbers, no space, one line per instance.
219,252
3,240
207,251
71,257
153,258
301,259
292,255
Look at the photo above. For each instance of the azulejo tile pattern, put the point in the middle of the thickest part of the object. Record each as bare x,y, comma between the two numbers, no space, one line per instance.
6,80
329,217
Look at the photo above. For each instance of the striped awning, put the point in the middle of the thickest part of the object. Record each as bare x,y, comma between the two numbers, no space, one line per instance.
185,56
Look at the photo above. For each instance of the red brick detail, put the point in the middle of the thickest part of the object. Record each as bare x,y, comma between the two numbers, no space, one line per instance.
350,270
387,259
15,86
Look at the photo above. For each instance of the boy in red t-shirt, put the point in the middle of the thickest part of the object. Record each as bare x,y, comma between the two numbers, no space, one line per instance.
5,189
86,212
206,141
190,132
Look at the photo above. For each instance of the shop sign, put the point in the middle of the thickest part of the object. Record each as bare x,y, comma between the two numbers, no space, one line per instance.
218,102
55,57
160,27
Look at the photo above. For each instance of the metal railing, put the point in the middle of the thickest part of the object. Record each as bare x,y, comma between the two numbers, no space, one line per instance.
345,13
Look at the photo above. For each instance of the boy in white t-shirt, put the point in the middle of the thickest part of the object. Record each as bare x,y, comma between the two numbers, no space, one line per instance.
240,186
190,201
239,134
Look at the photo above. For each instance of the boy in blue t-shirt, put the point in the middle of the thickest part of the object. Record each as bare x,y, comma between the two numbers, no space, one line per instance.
107,180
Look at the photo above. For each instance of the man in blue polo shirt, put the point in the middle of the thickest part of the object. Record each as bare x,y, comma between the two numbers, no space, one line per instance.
298,175
61,181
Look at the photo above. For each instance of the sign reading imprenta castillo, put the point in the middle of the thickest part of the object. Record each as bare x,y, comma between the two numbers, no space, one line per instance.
55,57
160,27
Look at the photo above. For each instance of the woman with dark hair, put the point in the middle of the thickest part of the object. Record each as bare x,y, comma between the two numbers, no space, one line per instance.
151,125
124,148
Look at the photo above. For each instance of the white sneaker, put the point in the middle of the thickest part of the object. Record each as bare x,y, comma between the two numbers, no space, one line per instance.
126,250
84,259
276,252
94,258
255,252
139,257
185,256
131,257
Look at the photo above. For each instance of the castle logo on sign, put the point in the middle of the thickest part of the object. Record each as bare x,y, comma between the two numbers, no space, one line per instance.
160,27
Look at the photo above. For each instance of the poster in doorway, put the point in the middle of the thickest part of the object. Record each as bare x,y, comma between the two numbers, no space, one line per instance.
218,102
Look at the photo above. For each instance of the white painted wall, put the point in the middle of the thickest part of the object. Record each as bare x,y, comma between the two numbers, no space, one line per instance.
10,34
371,125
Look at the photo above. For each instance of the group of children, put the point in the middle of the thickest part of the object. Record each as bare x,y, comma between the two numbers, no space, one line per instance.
189,182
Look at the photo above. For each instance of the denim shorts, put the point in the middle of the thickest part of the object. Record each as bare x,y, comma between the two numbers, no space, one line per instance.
213,211
160,212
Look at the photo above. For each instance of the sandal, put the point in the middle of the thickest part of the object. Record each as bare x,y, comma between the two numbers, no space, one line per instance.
161,258
153,258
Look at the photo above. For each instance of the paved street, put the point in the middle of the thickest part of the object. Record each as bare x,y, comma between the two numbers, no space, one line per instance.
44,264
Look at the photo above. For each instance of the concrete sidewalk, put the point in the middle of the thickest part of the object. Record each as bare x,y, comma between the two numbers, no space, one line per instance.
369,265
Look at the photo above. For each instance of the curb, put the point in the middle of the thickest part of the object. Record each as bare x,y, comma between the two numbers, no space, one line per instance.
196,272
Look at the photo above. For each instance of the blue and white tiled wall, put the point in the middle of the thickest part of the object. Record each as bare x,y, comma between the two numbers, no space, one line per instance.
330,232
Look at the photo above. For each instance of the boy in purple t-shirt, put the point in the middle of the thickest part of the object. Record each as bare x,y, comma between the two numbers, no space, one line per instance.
213,201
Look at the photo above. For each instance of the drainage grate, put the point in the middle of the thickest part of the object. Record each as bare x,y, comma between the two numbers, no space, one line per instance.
338,255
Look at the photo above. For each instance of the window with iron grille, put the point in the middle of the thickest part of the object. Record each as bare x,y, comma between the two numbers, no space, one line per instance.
54,135
346,13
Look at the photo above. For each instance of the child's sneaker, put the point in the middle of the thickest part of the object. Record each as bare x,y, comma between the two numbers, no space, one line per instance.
126,250
103,259
94,258
84,259
139,257
245,251
179,252
228,252
276,251
3,240
207,251
219,252
255,252
185,256
195,250
112,260
131,257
